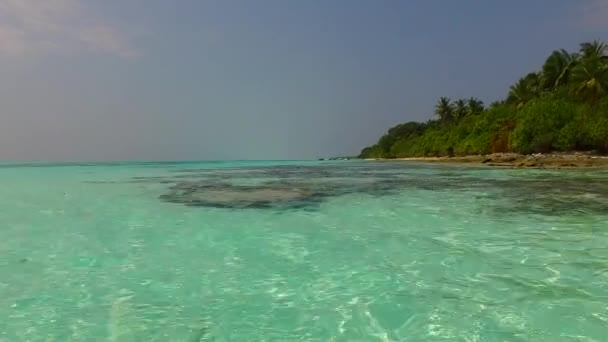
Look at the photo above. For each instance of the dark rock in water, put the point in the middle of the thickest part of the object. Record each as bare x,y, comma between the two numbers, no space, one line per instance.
23,261
487,160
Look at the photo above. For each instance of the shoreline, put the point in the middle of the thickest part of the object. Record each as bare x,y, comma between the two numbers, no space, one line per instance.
514,160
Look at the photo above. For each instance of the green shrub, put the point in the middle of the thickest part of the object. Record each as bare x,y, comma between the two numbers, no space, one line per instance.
538,124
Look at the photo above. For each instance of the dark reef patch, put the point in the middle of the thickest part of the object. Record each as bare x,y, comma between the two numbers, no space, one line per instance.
226,195
297,187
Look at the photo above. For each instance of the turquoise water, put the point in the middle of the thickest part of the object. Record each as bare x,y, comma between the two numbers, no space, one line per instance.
302,251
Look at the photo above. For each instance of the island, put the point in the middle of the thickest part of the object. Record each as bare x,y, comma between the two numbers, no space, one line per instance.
556,116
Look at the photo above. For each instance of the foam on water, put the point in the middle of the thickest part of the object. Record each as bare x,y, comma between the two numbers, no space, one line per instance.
293,251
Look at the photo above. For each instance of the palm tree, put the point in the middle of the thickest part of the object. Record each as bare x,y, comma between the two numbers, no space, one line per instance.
557,68
495,104
593,49
526,89
590,78
444,109
474,106
460,109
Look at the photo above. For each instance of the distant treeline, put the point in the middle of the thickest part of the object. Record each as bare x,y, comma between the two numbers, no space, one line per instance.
562,107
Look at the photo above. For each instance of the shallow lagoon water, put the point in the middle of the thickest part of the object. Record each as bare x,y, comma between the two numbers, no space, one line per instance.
302,251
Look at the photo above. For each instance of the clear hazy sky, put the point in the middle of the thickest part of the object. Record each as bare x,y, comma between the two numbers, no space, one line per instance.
264,79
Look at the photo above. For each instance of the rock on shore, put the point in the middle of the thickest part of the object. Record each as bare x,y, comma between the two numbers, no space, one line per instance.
552,160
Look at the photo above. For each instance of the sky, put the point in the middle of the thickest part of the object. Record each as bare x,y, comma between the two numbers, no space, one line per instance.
101,80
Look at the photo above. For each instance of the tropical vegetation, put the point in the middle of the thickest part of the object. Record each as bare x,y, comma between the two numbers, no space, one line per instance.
561,107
